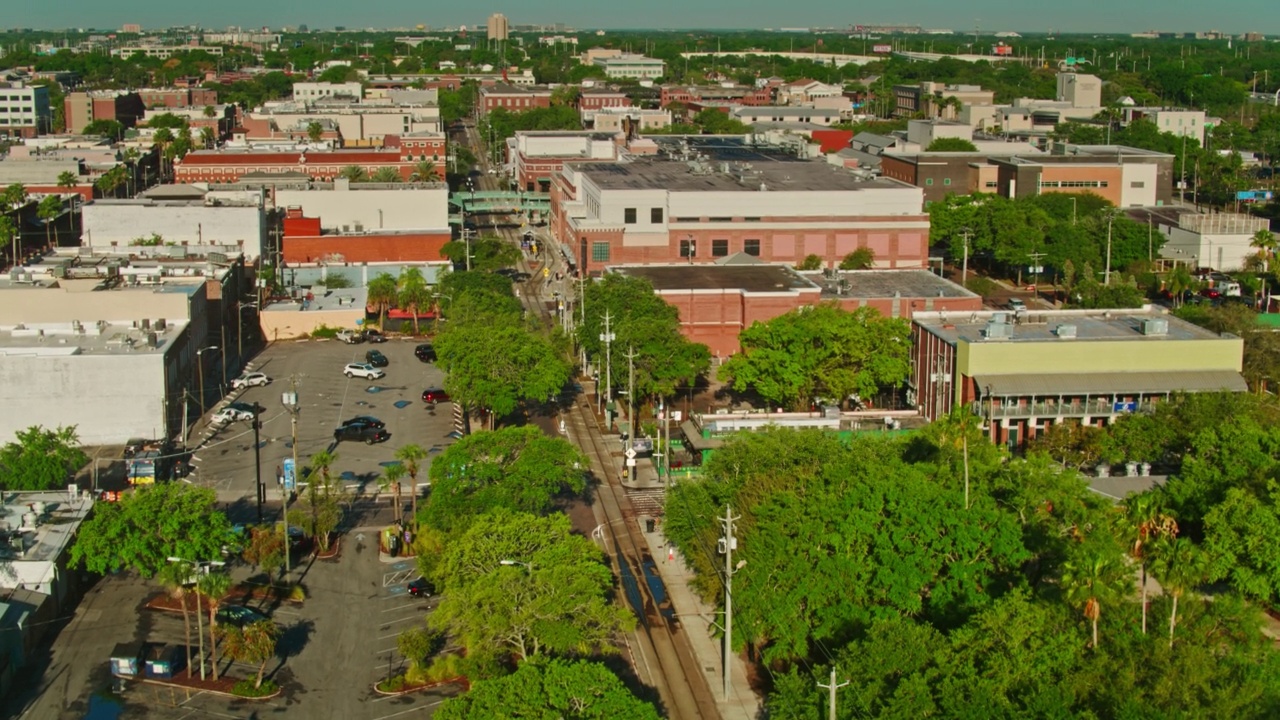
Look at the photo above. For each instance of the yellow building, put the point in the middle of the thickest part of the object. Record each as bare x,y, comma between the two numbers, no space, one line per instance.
1026,370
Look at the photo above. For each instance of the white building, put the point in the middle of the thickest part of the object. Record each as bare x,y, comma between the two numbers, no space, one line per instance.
1179,121
43,526
370,206
638,67
1082,91
235,220
313,91
164,52
611,119
1222,241
24,109
781,114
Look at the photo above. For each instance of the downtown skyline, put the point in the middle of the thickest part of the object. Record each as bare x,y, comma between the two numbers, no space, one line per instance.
987,16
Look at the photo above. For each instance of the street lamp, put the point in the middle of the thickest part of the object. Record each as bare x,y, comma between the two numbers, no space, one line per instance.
200,568
290,401
200,372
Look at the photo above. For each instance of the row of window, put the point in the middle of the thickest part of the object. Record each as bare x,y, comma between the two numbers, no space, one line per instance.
688,248
629,216
714,219
945,181
1073,183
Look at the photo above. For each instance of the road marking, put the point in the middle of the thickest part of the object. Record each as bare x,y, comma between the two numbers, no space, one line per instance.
400,607
415,708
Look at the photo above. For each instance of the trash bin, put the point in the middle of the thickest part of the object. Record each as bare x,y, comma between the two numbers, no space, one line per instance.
650,525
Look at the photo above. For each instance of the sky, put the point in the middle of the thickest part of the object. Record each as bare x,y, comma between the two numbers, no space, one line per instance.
962,15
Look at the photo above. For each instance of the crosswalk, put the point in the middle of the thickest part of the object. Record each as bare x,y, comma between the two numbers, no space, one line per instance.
648,502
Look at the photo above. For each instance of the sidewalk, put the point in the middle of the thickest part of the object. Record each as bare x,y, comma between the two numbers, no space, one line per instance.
696,617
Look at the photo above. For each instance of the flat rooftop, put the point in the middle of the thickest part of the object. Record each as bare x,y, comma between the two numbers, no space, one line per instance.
753,278
351,299
886,284
777,175
54,528
89,338
1039,326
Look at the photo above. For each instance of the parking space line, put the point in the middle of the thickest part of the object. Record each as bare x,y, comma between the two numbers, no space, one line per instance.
424,706
401,607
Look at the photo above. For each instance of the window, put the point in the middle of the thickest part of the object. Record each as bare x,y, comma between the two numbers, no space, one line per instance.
629,216
721,219
946,181
599,252
991,183
719,248
928,181
688,248
655,216
1138,184
751,247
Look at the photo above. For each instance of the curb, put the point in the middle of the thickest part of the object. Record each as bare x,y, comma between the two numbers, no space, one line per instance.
419,688
180,686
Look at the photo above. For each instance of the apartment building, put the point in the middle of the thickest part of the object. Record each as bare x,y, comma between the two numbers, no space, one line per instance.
309,92
228,166
24,110
635,67
513,98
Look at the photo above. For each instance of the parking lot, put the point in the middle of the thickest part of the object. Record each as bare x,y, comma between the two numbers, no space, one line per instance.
224,458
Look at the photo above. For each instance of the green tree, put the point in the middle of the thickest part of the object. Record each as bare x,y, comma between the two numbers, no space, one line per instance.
1180,566
488,253
1143,524
1265,241
339,74
150,525
382,295
208,138
391,478
9,234
111,129
315,131
386,175
424,171
464,294
14,196
410,457
1090,580
168,121
810,262
1238,533
49,209
496,367
174,578
254,644
213,586
40,459
516,468
354,173
553,688
822,351
951,144
67,180
413,294
264,547
863,258
552,595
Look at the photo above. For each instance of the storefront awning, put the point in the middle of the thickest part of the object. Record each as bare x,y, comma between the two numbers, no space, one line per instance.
1120,383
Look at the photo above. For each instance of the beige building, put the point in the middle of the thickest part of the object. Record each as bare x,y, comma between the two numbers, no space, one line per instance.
1082,91
1024,372
497,27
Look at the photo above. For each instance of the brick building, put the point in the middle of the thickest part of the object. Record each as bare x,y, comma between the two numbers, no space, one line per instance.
513,98
228,166
655,211
733,94
177,97
718,301
535,156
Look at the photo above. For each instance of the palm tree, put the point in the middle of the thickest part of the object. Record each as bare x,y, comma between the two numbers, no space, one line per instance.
1265,241
424,171
386,175
354,173
1145,522
49,209
210,111
382,295
1089,582
1180,281
9,233
254,643
213,585
207,137
173,576
67,180
414,293
391,479
1180,565
321,463
409,456
14,196
315,131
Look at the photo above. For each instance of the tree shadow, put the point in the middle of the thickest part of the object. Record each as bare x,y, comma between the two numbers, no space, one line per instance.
620,667
293,639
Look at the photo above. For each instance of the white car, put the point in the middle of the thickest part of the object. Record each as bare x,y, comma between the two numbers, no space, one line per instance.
254,379
230,415
363,370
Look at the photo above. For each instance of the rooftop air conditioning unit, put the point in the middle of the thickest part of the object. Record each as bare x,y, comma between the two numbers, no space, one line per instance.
1155,326
161,324
997,331
1066,332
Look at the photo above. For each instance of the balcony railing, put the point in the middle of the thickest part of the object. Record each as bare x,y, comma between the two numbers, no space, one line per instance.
1092,408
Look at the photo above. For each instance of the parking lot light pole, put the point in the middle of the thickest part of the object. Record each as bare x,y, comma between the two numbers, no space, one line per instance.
199,567
290,401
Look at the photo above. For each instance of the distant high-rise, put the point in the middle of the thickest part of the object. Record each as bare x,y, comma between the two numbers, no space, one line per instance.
497,27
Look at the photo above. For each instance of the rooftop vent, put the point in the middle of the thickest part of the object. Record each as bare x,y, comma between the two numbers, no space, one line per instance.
1155,326
997,331
1066,332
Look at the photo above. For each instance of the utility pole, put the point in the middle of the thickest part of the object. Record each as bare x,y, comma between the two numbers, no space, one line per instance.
1106,278
257,460
607,338
1035,267
964,273
632,420
831,689
728,544
290,401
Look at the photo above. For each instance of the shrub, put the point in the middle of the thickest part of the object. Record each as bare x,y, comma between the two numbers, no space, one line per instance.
445,667
297,593
324,332
392,685
245,688
335,282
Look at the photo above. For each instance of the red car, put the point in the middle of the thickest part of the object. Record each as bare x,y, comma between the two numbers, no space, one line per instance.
434,395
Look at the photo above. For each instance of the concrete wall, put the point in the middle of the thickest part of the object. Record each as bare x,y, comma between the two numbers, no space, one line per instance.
109,398
289,324
1225,252
119,223
36,306
395,209
1070,356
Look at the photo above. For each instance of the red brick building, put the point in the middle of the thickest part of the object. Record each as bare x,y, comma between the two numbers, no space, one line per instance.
228,166
593,99
733,95
536,156
178,97
718,301
513,98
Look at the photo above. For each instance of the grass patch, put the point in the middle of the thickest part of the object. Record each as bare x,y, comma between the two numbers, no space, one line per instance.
245,688
324,332
393,685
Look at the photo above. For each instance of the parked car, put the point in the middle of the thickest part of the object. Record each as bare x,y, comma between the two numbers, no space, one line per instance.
251,408
350,337
1016,304
376,359
374,336
434,395
363,370
421,587
365,420
238,615
254,379
230,414
425,352
366,433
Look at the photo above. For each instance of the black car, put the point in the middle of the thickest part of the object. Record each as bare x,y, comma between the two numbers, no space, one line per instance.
421,587
374,336
366,433
367,420
376,359
426,353
238,615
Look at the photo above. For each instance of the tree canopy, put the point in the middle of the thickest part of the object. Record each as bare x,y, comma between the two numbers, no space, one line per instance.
554,688
40,459
820,352
516,468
